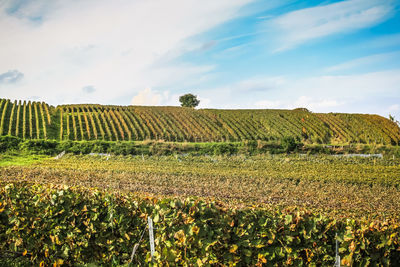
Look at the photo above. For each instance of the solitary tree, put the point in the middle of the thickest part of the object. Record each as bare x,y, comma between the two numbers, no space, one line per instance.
189,100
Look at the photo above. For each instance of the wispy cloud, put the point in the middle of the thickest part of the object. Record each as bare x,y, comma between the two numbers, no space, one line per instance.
11,76
384,41
118,45
301,26
365,61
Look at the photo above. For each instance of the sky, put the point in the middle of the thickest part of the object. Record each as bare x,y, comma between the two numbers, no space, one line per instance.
326,56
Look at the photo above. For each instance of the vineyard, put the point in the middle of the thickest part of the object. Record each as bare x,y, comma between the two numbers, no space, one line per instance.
275,210
34,120
224,187
341,187
30,120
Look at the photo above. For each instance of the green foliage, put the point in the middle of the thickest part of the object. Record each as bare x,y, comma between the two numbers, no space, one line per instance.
8,143
189,101
78,226
150,147
224,149
39,146
289,144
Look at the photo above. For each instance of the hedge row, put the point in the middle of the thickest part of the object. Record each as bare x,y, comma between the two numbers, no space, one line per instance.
55,225
286,145
52,147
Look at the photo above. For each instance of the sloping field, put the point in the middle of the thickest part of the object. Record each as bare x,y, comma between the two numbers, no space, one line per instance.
38,120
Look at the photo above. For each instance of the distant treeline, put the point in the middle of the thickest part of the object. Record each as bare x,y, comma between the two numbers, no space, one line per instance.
285,145
38,120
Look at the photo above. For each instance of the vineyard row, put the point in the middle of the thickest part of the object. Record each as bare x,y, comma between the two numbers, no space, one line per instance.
37,120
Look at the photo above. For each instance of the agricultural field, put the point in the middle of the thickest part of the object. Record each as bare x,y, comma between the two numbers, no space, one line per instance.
34,120
223,187
344,187
277,210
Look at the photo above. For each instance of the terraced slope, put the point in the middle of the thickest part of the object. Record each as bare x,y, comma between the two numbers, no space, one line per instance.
115,123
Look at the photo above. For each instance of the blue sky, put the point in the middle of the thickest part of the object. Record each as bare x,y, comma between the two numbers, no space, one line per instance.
327,56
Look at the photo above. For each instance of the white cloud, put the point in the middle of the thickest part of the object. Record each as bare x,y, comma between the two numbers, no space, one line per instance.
118,46
147,97
365,61
298,27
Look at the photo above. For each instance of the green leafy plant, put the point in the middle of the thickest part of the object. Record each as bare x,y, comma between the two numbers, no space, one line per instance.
80,226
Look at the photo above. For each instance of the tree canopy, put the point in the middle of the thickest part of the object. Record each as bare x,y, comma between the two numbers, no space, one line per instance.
189,100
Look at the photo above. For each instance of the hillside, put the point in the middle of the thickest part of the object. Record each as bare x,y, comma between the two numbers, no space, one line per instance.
38,120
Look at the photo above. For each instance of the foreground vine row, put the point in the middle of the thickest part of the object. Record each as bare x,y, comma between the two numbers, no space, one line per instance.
80,226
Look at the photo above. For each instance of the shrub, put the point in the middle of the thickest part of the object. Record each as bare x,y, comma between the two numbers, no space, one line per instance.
288,144
224,149
9,143
39,146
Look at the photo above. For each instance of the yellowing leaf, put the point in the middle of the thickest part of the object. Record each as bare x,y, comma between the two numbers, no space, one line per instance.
352,246
18,242
180,235
233,248
195,229
58,262
127,236
24,253
189,220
